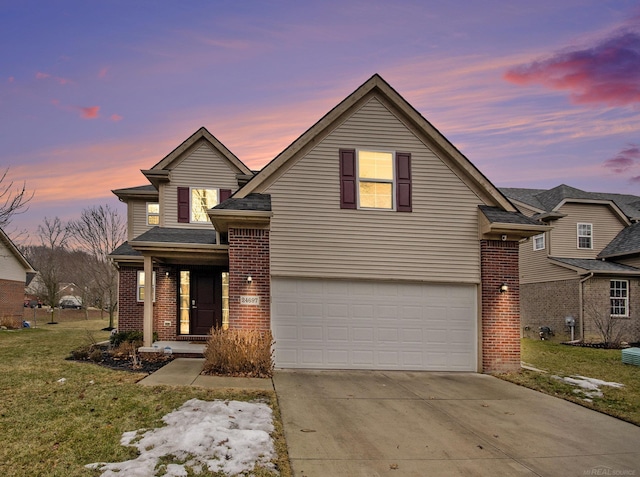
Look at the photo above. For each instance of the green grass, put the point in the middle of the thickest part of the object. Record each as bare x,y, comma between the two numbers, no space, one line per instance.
562,360
54,429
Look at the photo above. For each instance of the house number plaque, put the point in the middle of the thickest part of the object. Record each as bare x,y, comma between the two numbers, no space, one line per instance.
249,300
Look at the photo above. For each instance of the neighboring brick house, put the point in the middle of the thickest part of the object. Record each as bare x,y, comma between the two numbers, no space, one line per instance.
587,266
370,242
14,268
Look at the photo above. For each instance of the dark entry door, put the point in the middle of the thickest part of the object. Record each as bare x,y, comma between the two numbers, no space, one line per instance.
206,301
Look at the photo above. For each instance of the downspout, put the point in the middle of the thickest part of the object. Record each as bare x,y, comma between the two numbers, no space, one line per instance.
580,299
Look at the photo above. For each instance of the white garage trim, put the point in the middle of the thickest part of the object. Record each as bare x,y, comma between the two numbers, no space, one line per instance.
336,324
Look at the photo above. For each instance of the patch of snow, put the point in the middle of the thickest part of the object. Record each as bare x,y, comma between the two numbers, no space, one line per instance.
590,387
221,436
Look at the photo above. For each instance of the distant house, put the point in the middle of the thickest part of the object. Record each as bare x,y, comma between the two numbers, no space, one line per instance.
14,269
586,266
370,242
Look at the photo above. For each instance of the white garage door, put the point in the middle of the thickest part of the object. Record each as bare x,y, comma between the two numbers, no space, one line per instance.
336,324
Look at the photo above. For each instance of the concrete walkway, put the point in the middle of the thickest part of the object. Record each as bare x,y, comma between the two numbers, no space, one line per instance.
375,423
186,372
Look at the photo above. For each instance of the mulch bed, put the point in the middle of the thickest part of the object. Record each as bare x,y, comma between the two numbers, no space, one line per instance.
147,362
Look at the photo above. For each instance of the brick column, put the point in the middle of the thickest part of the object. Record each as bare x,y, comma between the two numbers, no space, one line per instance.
249,255
500,311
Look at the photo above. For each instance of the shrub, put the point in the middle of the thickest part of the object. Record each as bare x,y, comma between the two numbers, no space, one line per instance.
137,337
246,353
10,322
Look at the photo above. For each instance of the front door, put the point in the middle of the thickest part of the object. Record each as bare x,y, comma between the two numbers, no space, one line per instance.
205,302
201,301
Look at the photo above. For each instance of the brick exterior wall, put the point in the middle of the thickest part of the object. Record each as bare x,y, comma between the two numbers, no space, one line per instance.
12,299
548,304
249,255
131,311
596,301
500,311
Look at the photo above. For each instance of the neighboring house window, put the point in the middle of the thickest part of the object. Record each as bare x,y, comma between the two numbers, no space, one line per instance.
538,242
585,236
619,298
141,287
375,180
193,203
153,213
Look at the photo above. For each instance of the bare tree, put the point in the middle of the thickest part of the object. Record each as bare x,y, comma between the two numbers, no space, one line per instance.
13,200
611,329
98,232
49,258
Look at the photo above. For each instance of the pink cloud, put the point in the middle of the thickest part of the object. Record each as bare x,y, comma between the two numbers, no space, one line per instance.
606,73
90,112
63,81
103,72
635,180
11,79
624,160
115,117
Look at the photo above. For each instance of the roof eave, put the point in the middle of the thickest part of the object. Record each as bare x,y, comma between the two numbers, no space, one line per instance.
493,230
223,218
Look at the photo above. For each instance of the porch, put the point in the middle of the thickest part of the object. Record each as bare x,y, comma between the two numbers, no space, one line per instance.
183,349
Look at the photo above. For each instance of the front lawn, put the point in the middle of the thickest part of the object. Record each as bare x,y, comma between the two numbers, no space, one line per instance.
562,361
58,415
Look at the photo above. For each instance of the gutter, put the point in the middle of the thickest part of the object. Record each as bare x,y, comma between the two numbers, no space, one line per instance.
580,298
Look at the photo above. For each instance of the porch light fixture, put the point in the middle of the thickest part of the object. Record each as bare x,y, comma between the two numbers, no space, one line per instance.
504,288
249,279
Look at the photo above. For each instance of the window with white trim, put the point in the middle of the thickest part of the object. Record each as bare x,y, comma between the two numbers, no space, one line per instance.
201,201
538,242
619,298
140,285
153,213
375,180
585,235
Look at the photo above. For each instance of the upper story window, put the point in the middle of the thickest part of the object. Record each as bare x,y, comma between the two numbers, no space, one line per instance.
619,296
193,203
375,180
153,213
538,242
585,235
201,201
379,180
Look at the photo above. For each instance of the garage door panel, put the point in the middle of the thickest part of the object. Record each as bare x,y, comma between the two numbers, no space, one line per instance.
373,325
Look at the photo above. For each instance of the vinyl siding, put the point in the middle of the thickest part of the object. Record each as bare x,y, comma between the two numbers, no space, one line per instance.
563,240
632,262
526,210
311,236
138,218
202,168
535,265
10,267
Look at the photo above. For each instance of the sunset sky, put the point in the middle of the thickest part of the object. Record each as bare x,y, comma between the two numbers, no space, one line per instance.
535,94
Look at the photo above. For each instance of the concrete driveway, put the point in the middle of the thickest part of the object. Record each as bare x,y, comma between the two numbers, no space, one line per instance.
375,423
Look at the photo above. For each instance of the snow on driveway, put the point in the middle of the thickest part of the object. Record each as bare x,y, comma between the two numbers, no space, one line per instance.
227,436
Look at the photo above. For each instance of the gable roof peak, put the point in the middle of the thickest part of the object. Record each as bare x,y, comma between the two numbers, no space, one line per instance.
377,86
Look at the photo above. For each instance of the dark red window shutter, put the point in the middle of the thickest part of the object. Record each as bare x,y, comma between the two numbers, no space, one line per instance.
348,179
224,194
403,182
183,204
